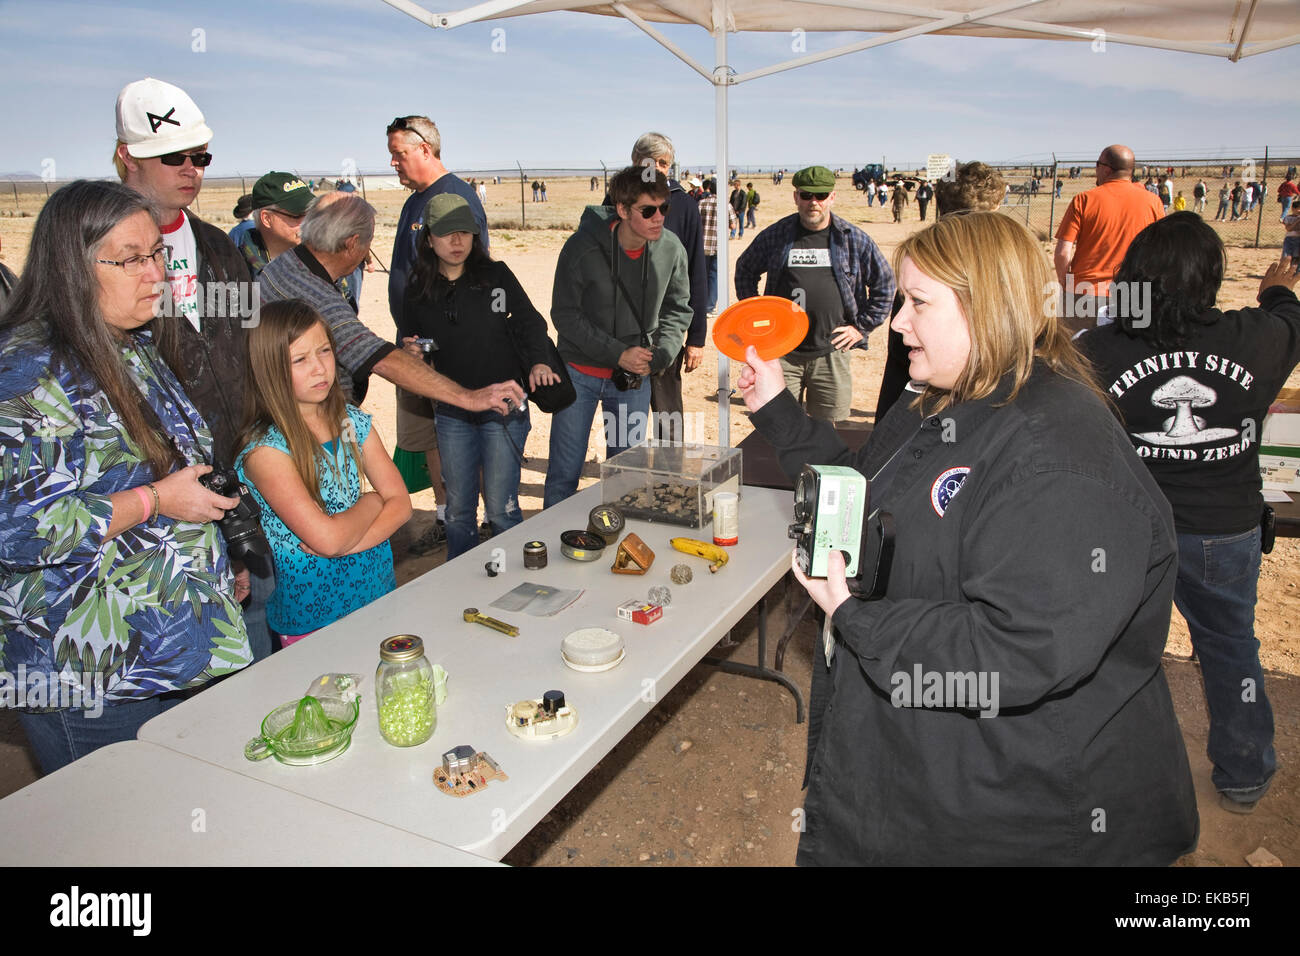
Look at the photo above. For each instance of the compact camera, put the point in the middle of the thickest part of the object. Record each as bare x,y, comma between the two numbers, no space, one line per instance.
624,380
831,505
241,525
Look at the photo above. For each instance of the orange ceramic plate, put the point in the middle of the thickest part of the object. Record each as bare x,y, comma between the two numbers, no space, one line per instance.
771,324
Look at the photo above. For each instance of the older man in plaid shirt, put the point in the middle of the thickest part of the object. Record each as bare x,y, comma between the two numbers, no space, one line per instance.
837,274
709,223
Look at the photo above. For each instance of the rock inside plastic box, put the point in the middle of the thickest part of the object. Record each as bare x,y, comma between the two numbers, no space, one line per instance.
346,687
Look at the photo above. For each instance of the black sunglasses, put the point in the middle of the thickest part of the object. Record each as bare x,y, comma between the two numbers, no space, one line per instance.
809,197
400,125
647,212
200,160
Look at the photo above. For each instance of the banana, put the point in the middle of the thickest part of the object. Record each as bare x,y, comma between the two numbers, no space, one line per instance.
715,555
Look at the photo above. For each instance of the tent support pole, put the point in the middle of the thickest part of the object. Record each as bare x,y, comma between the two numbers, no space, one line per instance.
721,78
1263,185
662,40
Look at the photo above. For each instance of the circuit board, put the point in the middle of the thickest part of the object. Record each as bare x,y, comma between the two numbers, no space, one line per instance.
531,720
468,776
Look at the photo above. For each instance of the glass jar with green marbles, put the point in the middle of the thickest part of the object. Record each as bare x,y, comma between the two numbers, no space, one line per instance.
404,692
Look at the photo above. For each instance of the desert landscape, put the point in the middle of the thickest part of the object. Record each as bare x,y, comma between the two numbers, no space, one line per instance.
712,775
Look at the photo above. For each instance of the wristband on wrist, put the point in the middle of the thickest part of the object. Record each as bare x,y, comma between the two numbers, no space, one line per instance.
153,491
144,503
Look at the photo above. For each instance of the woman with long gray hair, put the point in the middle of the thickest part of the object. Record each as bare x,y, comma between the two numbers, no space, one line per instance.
116,593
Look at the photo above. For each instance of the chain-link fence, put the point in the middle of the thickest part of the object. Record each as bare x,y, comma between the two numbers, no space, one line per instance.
514,203
1036,200
1038,195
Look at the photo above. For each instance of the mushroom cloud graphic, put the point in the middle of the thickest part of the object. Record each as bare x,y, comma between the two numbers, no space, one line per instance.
1182,394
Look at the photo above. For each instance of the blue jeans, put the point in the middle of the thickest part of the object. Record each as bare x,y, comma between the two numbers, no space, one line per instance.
259,632
1217,580
711,267
495,445
62,736
627,415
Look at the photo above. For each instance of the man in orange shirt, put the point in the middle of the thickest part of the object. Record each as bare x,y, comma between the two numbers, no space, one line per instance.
1095,233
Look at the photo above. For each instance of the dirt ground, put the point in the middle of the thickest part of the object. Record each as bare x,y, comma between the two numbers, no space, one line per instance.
713,774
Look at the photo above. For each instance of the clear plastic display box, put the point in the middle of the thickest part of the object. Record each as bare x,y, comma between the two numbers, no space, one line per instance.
670,483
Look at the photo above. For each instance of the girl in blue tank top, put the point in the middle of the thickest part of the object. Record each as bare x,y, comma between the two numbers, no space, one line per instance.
305,452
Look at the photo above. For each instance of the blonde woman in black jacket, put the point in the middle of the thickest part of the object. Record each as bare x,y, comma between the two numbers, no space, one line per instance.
1003,703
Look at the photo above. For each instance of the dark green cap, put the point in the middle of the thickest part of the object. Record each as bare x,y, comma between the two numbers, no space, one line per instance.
447,213
283,191
814,179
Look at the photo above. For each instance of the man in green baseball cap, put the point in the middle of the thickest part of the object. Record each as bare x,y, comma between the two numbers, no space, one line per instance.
837,274
279,200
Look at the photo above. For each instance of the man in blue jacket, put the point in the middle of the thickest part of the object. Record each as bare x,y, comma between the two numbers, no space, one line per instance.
837,274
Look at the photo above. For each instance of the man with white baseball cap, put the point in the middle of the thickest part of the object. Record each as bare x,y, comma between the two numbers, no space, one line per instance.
162,152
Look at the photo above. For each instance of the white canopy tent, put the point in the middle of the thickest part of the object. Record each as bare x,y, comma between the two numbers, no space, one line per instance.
1226,28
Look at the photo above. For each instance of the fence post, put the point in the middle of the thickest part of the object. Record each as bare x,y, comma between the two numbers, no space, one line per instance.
523,219
16,209
361,181
1259,220
605,174
1051,210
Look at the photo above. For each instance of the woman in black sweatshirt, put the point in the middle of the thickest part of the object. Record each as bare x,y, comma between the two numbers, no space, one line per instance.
483,329
1192,385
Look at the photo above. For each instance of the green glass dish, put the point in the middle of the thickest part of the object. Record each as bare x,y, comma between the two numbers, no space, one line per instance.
307,731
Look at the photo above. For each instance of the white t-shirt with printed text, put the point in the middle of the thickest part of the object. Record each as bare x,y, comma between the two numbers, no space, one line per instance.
182,268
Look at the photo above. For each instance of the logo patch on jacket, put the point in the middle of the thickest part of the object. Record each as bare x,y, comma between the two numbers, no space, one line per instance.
945,487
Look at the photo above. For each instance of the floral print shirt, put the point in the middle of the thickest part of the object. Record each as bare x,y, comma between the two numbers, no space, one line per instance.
147,612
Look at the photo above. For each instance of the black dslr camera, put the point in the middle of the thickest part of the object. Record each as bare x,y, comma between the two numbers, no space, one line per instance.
241,526
624,380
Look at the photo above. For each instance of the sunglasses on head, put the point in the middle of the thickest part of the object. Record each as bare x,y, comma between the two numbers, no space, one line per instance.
647,212
200,160
400,125
806,196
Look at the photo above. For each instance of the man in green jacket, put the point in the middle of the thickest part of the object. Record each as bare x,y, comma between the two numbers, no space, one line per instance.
620,307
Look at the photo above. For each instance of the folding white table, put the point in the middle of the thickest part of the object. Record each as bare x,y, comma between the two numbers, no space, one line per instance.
489,671
138,804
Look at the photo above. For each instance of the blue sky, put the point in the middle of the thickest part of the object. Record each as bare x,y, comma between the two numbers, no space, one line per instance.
310,85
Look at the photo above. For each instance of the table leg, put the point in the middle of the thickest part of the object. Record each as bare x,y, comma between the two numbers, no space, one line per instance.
761,670
792,618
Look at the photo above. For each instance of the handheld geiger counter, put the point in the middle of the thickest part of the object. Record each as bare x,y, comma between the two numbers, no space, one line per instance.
831,513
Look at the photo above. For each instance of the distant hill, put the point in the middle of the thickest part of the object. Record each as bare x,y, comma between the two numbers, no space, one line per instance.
22,177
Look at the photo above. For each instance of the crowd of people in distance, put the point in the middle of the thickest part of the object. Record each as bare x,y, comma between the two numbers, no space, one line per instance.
183,493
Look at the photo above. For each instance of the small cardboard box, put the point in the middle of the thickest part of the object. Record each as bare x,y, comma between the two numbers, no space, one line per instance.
641,612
